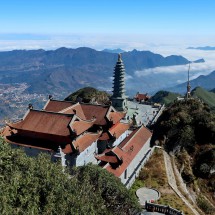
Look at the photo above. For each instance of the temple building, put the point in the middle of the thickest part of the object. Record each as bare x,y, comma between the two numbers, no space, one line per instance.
140,97
78,133
119,99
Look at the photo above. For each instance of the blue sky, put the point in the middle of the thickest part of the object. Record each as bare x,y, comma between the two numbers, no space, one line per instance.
122,23
107,16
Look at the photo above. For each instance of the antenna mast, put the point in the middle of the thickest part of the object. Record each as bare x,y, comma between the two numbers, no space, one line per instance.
188,82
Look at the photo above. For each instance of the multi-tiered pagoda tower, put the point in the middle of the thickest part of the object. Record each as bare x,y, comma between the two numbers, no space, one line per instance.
119,99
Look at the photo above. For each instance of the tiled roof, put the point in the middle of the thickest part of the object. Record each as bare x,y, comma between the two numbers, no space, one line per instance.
44,122
67,149
85,140
97,111
118,129
85,111
104,136
75,109
56,106
129,149
113,155
118,152
107,158
28,141
116,116
140,97
81,126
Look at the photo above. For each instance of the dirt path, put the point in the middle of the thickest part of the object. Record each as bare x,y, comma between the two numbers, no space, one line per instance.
172,182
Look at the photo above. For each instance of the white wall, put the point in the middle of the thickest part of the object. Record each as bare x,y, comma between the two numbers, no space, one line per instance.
121,138
88,155
133,169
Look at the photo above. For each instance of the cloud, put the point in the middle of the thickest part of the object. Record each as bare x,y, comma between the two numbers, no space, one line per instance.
195,70
128,77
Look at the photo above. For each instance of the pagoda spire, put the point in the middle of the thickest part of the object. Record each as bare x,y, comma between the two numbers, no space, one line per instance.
188,95
119,99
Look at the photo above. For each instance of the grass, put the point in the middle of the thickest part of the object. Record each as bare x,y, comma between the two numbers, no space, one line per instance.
207,97
153,175
164,97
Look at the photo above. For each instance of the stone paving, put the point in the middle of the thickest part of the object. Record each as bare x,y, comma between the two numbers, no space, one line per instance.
144,113
146,194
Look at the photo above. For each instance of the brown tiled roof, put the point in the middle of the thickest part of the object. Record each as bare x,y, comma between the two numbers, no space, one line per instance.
85,140
97,111
44,122
75,109
106,150
118,129
113,155
81,126
104,136
140,97
56,106
129,149
118,152
67,149
28,141
85,111
116,116
107,158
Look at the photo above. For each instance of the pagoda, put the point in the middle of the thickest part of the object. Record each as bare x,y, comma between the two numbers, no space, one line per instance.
119,99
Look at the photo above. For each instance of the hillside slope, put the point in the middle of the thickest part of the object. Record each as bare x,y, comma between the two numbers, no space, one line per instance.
187,129
89,94
205,81
205,96
164,97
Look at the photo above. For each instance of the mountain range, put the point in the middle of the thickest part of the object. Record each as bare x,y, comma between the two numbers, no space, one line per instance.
113,50
205,81
65,70
204,48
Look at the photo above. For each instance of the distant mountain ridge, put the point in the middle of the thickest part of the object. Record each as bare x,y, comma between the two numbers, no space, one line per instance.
205,81
65,70
113,50
204,48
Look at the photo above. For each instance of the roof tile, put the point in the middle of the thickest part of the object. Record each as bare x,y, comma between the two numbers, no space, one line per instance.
129,149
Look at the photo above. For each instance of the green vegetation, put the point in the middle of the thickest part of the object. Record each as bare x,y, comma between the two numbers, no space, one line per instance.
37,186
154,175
204,205
89,94
187,128
164,97
205,96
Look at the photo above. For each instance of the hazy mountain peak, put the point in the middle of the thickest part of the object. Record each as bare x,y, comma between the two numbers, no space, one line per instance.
113,50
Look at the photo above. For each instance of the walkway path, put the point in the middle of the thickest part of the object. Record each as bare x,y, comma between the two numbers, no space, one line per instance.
147,194
172,181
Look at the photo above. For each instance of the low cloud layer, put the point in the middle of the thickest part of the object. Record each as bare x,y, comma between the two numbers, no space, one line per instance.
196,70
